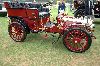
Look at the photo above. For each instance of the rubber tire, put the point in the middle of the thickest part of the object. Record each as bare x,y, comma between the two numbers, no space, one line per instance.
89,40
24,32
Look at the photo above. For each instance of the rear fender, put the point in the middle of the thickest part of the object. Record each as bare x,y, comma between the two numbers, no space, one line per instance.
21,21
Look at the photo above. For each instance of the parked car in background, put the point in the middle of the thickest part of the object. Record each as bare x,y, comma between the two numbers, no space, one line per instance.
88,7
3,11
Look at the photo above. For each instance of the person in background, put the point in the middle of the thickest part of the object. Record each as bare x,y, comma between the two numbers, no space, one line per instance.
61,6
71,7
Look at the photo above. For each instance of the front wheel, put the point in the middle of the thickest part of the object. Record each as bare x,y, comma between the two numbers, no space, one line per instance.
17,32
77,40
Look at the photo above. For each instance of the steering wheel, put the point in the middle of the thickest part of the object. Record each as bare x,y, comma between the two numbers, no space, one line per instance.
81,2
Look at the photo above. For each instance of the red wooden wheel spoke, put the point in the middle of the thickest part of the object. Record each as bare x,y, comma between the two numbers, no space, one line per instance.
18,37
83,35
76,40
16,32
14,35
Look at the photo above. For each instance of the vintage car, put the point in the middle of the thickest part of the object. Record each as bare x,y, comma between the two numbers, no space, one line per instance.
91,7
25,18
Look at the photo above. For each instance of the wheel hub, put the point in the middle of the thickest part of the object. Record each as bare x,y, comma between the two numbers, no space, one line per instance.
76,40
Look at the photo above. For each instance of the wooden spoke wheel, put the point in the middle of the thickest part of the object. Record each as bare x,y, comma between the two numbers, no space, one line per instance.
77,40
17,32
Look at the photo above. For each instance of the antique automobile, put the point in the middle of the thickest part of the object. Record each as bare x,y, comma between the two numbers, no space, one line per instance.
3,11
89,6
24,18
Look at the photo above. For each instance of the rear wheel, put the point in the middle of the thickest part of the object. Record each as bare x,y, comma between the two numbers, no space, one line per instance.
17,32
77,40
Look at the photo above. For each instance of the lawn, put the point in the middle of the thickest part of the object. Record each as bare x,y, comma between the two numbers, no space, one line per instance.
38,51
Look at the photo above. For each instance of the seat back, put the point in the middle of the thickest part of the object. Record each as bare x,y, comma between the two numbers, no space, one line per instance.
30,10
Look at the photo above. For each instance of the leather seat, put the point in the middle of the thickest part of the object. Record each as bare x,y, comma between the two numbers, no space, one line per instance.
43,12
18,5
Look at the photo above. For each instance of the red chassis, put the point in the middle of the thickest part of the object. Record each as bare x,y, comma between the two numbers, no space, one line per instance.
23,20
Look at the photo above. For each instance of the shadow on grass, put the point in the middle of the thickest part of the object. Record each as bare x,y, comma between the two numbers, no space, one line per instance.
32,36
96,22
38,39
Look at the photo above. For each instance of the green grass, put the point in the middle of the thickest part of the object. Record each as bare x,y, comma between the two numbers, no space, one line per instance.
54,12
38,51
